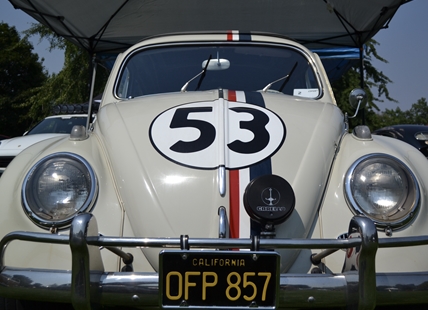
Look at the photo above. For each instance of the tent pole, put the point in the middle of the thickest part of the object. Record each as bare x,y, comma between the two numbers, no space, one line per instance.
363,116
91,93
361,67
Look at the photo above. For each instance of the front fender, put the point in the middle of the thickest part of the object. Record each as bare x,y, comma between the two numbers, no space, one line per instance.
335,212
107,208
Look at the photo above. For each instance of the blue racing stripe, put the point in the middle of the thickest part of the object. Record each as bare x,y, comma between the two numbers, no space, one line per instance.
255,98
244,37
265,166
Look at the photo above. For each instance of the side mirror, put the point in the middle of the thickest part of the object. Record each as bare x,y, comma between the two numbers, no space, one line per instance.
357,99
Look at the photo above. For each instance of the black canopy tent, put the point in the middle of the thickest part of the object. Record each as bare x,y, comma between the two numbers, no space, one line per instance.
108,27
336,29
112,26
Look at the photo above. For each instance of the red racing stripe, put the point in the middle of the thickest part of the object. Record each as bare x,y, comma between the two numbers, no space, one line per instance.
231,95
234,203
233,189
229,35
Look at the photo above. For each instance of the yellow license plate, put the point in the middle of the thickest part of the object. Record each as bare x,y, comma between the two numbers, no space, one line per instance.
218,279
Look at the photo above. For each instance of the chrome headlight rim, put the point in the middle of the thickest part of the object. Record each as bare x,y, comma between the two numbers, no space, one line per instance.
412,200
86,207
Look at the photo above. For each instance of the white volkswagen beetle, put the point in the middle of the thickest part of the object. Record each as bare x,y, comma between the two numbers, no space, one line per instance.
219,173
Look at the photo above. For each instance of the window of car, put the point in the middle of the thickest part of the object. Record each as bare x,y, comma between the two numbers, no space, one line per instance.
247,67
422,136
57,125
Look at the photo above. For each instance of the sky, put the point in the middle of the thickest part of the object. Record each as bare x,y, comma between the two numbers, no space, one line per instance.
404,45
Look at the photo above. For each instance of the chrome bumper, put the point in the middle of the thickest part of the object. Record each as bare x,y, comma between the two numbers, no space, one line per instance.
85,287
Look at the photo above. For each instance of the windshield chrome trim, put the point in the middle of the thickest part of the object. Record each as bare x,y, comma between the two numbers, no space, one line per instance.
309,57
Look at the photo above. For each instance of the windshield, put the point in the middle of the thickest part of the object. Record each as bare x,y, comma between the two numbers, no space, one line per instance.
238,67
57,125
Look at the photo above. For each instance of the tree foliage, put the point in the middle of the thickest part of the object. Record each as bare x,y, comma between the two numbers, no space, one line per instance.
72,83
417,114
21,77
373,80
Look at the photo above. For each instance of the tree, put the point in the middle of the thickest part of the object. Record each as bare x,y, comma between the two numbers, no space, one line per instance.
391,117
373,79
72,83
21,76
419,112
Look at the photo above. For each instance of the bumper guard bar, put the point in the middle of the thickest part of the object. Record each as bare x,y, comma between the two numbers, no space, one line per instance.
88,285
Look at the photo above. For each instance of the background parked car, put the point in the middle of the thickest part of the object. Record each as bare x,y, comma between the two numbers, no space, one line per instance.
416,135
51,126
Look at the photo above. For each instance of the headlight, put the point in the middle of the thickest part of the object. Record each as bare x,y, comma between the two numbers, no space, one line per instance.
57,188
384,189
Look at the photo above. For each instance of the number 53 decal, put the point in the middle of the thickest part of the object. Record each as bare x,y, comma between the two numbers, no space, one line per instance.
207,135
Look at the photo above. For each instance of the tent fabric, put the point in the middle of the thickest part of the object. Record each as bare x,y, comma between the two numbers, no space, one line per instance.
335,29
338,60
102,26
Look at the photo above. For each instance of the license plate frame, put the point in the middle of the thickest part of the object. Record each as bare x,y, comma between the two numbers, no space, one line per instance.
199,279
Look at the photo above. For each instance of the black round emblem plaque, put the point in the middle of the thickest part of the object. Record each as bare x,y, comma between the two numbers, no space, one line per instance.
269,199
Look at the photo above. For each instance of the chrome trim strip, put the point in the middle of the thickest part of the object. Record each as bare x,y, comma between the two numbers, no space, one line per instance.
221,177
223,121
202,43
223,223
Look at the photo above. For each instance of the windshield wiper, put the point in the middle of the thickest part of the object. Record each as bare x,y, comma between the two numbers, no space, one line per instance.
202,74
285,78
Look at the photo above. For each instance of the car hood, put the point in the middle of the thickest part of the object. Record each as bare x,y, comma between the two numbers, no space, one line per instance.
168,153
14,146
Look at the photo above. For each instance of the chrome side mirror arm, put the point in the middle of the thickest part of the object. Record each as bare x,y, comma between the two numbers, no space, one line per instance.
357,98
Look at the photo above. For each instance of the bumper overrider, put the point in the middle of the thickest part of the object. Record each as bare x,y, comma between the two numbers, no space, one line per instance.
87,286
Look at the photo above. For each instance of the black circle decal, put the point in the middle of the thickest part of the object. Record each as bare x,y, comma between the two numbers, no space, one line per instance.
269,199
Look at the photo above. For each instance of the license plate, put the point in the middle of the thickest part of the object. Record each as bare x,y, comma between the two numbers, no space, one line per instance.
218,279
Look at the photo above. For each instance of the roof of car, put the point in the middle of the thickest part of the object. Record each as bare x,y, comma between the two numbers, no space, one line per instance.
66,116
413,127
